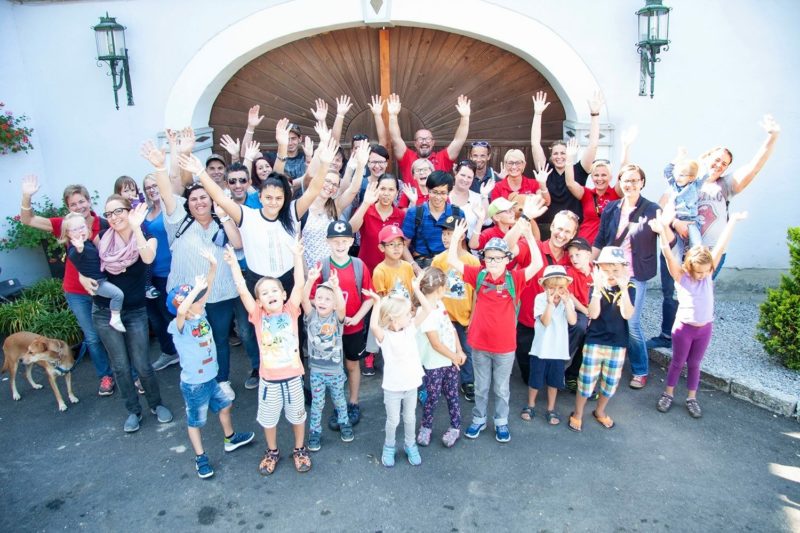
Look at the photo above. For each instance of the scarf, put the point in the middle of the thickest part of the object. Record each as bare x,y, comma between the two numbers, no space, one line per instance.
117,255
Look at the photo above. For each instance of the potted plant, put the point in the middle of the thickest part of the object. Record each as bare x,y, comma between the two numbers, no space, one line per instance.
18,235
14,135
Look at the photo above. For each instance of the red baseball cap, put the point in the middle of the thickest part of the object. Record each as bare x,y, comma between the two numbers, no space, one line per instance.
389,233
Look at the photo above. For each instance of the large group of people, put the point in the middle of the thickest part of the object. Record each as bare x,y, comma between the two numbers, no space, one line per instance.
322,264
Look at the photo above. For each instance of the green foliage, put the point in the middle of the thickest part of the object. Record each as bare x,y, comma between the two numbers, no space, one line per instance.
779,324
18,235
41,309
49,291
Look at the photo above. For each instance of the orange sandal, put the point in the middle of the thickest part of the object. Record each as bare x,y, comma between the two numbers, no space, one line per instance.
604,421
575,423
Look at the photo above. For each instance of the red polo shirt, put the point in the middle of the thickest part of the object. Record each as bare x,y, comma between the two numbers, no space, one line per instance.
440,160
493,325
373,224
591,212
503,188
530,292
581,284
521,260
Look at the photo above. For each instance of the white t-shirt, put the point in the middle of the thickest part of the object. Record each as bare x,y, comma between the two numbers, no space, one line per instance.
267,245
402,370
439,321
551,342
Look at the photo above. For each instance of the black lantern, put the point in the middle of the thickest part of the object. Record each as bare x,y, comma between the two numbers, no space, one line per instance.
653,38
110,37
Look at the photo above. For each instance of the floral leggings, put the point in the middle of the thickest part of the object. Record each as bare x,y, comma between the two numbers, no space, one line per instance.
442,380
335,383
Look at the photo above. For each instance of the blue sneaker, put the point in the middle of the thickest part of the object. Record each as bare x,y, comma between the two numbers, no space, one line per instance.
387,457
501,433
203,467
474,430
412,452
238,440
314,443
347,434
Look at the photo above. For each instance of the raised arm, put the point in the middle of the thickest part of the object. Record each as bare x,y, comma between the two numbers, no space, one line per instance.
325,154
376,106
370,197
346,198
595,104
200,283
30,186
343,105
174,165
574,187
743,176
313,274
241,286
536,258
339,303
659,225
725,237
147,247
231,146
251,151
375,320
157,158
393,106
253,120
541,175
296,298
185,147
540,103
425,304
452,252
282,138
206,254
463,106
193,165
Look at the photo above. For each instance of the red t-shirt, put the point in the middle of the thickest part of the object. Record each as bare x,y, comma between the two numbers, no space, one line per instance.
503,188
352,296
533,288
372,226
71,283
581,284
521,260
591,213
440,160
493,325
421,198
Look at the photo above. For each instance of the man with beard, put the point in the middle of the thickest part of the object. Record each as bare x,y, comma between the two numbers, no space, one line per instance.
480,153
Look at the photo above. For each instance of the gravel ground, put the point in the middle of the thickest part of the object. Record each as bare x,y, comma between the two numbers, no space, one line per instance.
734,351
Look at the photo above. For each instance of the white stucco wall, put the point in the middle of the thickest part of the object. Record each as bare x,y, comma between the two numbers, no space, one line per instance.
730,61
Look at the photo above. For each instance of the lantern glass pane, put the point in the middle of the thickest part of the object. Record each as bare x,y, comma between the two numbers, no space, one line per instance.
663,26
644,25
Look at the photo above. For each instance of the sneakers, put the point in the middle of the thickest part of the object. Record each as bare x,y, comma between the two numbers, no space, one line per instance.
501,433
638,382
302,461
664,403
116,323
227,389
164,361
138,385
132,423
387,457
237,440
694,408
333,421
252,380
659,342
203,467
468,390
412,453
151,293
474,430
450,437
424,437
106,386
163,414
369,365
347,434
269,462
353,413
571,385
314,441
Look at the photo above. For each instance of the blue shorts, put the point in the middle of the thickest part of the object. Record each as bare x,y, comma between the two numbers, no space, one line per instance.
200,398
546,371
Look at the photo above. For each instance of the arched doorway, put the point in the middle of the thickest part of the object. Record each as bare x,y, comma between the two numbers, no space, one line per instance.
428,69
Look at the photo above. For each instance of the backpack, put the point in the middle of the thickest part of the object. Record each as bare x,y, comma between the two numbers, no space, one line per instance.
454,211
358,270
509,282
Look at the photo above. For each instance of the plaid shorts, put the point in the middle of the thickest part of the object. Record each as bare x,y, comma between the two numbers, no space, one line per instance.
604,362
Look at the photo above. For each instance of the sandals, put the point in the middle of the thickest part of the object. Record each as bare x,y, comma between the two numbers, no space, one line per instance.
552,418
528,413
664,403
604,421
575,424
302,461
694,408
269,462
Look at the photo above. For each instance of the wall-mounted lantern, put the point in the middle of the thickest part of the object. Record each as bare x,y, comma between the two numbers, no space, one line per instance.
110,37
653,38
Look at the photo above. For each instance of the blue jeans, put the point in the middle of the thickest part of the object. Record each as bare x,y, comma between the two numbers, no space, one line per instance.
220,317
466,369
128,350
159,316
199,399
81,307
669,305
637,348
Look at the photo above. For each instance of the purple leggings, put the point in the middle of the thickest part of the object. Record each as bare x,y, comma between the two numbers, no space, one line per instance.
442,380
689,345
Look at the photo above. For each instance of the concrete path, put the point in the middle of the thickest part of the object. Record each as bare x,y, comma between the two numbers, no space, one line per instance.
736,469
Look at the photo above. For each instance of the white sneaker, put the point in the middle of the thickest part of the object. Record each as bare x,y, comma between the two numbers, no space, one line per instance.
116,323
227,389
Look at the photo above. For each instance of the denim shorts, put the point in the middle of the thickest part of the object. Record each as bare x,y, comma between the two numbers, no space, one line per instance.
201,397
546,371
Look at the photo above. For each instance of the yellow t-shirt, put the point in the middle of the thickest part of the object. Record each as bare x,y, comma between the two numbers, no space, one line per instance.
389,280
457,294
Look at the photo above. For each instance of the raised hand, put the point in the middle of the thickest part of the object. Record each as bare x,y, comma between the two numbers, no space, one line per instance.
229,256
458,231
362,155
596,103
681,154
371,194
551,295
540,102
321,112
316,271
657,224
463,106
534,206
480,211
418,279
769,125
572,150
253,118
252,150
393,104
154,155
376,106
282,132
30,185
297,248
623,279
503,172
598,278
137,214
77,243
411,193
308,147
206,254
372,295
487,188
333,279
191,164
172,138
322,132
186,142
542,174
629,135
327,151
343,105
200,282
229,145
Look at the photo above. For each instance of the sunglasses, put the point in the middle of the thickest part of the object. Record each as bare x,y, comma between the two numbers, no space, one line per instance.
606,161
481,144
232,181
116,212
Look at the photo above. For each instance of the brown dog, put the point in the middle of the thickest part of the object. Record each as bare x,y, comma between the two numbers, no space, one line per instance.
54,355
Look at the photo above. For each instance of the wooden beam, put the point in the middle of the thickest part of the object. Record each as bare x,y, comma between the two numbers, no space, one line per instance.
386,79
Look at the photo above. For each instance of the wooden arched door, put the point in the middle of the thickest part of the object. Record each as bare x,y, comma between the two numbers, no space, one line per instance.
427,68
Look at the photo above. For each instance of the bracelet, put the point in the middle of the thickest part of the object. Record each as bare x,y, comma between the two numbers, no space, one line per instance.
594,114
281,158
161,169
25,208
224,219
249,131
142,247
523,216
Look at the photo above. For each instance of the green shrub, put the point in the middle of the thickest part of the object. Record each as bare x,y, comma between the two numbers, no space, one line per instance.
779,324
41,309
48,291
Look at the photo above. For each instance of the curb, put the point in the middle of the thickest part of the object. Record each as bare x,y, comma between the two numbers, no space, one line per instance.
770,400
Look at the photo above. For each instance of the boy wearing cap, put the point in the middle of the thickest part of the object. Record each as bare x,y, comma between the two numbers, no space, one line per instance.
353,277
492,331
580,269
554,312
502,212
610,307
458,298
191,334
392,276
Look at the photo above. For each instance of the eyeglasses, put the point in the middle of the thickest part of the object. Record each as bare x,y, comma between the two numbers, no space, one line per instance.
500,259
631,182
116,212
424,139
423,170
481,144
232,181
151,188
437,193
515,163
377,163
